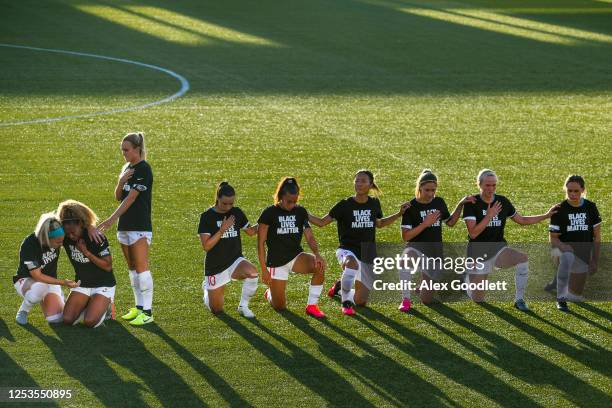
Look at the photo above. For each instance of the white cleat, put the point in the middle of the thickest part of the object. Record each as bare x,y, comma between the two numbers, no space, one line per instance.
246,312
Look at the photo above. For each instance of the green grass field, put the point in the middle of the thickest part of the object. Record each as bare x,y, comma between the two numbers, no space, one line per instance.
314,89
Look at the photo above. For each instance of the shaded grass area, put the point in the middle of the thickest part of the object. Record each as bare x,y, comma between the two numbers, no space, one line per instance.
317,90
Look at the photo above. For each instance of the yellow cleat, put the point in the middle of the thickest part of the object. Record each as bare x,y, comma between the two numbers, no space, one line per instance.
132,314
142,319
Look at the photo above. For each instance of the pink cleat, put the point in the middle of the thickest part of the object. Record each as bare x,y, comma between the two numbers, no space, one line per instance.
314,311
405,306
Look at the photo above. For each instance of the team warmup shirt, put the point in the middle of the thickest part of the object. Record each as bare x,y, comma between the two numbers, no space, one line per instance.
229,247
357,226
33,256
429,241
138,215
284,233
90,275
575,224
491,240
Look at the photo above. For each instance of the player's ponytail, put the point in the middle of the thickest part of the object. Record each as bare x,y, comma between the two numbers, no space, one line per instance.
287,185
373,186
224,190
575,178
138,141
426,176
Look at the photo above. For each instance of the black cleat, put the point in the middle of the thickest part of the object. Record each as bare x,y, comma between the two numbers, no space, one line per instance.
562,306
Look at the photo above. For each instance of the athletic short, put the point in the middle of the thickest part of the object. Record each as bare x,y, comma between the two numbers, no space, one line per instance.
130,237
365,271
282,272
28,283
213,282
489,265
579,266
434,273
106,291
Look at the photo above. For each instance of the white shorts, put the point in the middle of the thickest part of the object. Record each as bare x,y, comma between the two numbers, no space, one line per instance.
435,274
106,291
489,264
365,271
213,282
579,266
28,283
282,272
130,237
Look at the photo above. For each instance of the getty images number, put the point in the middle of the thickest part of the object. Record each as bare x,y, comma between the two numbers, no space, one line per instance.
39,394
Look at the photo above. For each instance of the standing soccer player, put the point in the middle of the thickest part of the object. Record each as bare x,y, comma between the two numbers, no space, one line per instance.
575,232
219,231
357,218
36,278
134,232
486,220
280,229
92,301
422,231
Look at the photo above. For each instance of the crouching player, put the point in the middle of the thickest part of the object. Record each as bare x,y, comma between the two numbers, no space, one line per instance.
92,302
219,231
36,278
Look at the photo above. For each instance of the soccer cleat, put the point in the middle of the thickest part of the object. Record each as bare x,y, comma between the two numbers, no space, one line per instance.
142,319
110,312
132,314
521,305
562,306
246,312
405,305
314,311
347,308
334,290
267,295
551,287
22,317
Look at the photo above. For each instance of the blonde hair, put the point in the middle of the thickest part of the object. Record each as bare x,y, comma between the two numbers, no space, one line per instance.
75,210
46,223
425,177
483,174
137,140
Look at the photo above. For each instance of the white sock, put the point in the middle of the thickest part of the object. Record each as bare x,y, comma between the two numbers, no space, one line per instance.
135,288
563,273
249,286
145,281
101,320
56,318
26,306
520,279
268,294
405,276
314,292
346,282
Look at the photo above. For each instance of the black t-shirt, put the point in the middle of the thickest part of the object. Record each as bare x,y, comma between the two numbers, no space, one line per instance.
357,226
33,256
284,233
491,239
229,247
429,241
138,216
90,275
575,224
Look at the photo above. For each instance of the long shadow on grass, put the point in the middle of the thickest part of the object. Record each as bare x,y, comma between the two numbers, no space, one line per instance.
5,333
384,374
519,361
593,356
216,382
301,365
594,309
83,354
446,362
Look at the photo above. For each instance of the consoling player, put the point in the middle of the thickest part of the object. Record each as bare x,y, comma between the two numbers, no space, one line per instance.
134,232
357,218
422,231
575,232
92,302
280,228
36,279
485,220
219,231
